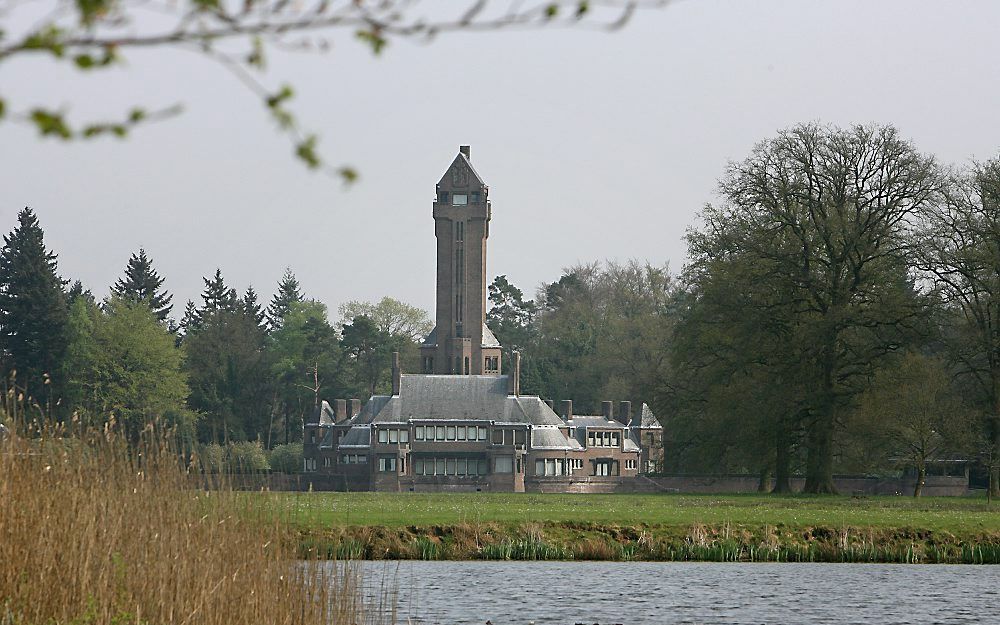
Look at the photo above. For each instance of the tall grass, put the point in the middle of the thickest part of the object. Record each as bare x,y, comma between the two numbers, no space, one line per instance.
95,532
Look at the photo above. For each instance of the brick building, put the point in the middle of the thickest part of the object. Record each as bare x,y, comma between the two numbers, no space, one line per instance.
459,424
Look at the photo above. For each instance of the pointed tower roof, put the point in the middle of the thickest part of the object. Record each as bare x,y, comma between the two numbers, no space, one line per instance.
461,174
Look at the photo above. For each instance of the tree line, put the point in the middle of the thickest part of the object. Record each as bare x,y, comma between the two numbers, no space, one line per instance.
839,313
230,369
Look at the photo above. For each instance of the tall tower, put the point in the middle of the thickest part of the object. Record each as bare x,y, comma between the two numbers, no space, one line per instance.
461,343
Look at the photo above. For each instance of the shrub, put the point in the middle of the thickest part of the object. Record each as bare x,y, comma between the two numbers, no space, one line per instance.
286,458
212,458
246,457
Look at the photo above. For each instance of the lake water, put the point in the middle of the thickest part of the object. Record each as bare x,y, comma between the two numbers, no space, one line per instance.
657,593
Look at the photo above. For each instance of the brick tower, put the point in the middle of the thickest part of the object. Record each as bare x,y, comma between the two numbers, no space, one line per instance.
460,342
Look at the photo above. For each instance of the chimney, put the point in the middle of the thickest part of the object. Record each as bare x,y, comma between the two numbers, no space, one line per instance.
464,149
608,409
340,410
567,409
396,372
354,407
515,375
625,412
551,404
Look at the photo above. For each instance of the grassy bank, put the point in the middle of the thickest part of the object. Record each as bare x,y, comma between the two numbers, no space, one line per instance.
643,527
93,533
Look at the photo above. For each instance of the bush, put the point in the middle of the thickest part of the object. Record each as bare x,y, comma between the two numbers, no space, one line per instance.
286,458
212,457
246,457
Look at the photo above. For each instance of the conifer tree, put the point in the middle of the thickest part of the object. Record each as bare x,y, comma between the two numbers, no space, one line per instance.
251,307
33,309
288,292
191,318
217,296
142,283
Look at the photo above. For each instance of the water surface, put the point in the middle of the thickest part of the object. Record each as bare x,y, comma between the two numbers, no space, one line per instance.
656,593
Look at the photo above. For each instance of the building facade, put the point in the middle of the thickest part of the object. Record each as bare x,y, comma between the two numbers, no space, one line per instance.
459,424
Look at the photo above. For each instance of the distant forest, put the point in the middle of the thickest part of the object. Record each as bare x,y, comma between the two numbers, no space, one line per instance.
839,313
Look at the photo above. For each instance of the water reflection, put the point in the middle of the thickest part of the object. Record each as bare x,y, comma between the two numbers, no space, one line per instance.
641,593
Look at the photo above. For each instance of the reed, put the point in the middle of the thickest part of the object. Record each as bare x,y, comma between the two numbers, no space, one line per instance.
94,531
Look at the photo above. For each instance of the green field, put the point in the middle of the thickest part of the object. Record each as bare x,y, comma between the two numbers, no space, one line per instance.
318,511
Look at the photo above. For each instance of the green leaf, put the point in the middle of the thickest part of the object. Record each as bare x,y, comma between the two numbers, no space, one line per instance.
582,8
49,38
136,115
84,61
349,174
551,11
306,151
49,123
373,38
284,94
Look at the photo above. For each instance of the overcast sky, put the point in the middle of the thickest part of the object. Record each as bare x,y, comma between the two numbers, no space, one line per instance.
595,146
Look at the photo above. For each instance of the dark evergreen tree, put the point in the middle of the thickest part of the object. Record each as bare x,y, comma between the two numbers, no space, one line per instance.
190,320
288,292
76,291
142,283
251,308
217,296
33,310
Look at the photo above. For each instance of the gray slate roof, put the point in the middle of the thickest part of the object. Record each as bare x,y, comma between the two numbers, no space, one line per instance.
360,436
473,397
325,414
648,419
489,339
548,437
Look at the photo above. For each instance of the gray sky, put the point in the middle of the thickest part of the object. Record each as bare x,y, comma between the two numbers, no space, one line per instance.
594,145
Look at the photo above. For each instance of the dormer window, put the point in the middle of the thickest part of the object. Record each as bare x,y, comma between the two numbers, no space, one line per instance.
459,199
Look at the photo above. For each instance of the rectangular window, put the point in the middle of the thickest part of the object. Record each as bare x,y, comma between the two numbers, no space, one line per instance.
475,197
460,433
387,463
482,434
459,199
590,439
451,433
404,436
383,436
362,459
503,464
614,439
539,467
461,466
444,197
519,437
419,434
497,436
450,468
439,466
418,466
440,433
393,436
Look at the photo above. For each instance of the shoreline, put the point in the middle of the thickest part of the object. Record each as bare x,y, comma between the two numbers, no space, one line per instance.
727,542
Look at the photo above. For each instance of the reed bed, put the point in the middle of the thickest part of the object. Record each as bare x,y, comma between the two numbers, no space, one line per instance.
94,531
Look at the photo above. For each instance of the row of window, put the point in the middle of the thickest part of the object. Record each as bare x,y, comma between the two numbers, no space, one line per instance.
451,466
389,464
393,436
449,433
602,439
353,459
492,364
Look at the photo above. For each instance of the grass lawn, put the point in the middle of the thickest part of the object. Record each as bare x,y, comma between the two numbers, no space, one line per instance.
325,510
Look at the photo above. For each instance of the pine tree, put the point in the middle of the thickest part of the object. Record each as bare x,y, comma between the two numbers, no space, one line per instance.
191,319
251,307
141,283
217,296
288,292
33,309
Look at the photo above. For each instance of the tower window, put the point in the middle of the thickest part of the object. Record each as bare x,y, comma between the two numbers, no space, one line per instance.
459,199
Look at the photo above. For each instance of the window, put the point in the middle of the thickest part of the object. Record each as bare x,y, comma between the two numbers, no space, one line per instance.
503,464
404,436
519,436
450,466
440,433
497,436
419,433
451,433
387,464
461,466
443,197
383,436
475,197
483,469
439,466
310,464
460,433
326,461
459,199
482,433
362,459
418,466
393,436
